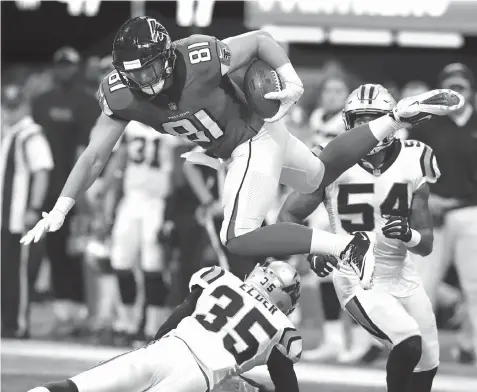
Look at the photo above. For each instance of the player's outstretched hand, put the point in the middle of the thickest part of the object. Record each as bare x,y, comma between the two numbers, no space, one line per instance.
51,221
322,265
397,227
287,97
422,107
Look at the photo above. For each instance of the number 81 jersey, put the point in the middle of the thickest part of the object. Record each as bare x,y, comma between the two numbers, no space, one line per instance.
234,327
362,199
202,105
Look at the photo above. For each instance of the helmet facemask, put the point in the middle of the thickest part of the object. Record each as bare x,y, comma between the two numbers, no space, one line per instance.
372,101
143,55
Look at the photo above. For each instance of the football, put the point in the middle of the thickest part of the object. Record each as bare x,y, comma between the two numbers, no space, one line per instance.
259,80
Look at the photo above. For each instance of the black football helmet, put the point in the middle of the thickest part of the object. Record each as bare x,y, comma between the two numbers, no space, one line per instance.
143,54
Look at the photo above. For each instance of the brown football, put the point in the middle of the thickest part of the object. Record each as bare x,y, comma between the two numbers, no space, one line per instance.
259,80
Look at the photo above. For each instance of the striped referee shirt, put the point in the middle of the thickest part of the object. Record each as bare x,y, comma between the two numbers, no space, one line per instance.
24,151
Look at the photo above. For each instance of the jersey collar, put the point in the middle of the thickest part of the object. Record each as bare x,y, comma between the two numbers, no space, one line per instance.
397,145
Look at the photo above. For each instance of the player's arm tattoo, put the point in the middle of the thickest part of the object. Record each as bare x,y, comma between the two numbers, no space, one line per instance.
255,44
421,221
299,206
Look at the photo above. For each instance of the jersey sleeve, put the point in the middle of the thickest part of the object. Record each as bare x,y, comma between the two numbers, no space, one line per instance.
428,169
291,344
205,277
113,96
206,56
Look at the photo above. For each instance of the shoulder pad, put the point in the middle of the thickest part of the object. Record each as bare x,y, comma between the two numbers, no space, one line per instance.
113,95
291,344
205,277
205,55
427,160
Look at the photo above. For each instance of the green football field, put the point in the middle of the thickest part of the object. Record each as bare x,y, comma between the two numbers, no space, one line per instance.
26,364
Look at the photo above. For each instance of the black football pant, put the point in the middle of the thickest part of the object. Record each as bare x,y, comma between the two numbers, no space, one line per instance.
66,270
14,291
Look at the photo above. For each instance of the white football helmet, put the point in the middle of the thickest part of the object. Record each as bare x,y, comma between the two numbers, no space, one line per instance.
279,282
371,99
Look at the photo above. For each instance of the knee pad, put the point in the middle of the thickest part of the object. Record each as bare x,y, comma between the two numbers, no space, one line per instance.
127,286
430,355
410,349
155,288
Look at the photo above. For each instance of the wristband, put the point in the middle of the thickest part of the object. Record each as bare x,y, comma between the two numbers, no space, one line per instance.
415,239
64,204
383,126
288,74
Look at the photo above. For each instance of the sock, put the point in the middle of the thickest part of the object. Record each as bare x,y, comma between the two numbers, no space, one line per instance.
328,243
422,381
59,386
401,362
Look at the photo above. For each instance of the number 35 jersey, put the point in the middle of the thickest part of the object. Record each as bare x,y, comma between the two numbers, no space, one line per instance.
234,327
362,199
202,105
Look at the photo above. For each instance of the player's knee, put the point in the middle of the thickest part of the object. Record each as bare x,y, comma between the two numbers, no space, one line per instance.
127,286
57,386
156,290
410,349
430,355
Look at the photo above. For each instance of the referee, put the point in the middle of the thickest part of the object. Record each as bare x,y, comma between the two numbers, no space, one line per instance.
25,162
453,201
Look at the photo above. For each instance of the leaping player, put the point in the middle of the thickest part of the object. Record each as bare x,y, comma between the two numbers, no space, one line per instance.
386,192
225,327
183,88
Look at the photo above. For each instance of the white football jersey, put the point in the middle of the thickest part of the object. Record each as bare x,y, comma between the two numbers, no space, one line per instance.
234,328
362,199
150,160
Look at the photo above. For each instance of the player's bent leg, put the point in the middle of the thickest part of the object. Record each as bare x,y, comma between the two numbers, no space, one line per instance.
386,319
419,308
166,365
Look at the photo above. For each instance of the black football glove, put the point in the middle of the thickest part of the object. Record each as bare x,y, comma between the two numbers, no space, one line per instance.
322,265
397,227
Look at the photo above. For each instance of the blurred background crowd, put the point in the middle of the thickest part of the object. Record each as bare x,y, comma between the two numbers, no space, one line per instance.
69,286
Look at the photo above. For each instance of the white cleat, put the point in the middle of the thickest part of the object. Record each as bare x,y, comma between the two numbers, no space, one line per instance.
422,107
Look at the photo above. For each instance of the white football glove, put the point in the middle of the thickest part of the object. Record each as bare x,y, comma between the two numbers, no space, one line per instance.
422,107
51,221
287,97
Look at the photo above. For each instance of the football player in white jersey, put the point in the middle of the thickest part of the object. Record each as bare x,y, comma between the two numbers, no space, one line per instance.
386,192
145,161
224,328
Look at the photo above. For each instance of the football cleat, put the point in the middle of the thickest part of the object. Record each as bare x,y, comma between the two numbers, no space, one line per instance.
422,107
359,255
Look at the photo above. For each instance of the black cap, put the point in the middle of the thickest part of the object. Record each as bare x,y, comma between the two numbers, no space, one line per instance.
67,55
459,73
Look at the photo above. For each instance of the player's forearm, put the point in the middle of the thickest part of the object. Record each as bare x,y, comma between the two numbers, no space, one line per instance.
425,244
86,170
39,189
270,50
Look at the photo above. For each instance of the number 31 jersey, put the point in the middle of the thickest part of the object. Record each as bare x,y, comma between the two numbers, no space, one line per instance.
150,161
202,105
234,327
362,199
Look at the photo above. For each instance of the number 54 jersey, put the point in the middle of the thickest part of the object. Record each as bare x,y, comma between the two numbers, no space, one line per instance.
234,327
362,199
